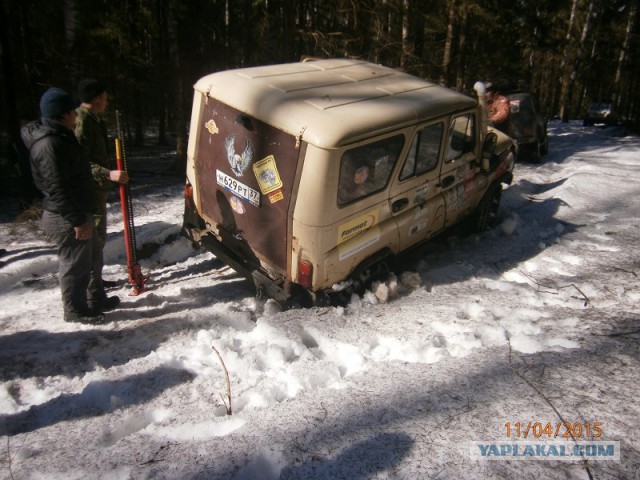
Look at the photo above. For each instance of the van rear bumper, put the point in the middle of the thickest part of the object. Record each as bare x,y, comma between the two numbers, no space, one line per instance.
262,282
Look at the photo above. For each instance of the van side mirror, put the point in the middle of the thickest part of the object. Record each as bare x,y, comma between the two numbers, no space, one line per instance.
489,150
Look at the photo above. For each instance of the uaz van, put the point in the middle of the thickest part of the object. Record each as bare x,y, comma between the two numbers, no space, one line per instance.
307,175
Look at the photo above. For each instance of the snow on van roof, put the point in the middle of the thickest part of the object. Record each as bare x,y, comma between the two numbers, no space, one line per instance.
331,103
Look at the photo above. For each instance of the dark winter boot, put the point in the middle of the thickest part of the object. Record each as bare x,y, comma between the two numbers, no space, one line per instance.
87,318
108,303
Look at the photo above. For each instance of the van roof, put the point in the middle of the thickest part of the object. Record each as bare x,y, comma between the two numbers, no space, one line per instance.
331,103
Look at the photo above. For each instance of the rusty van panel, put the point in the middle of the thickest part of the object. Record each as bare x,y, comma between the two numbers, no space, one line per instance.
245,171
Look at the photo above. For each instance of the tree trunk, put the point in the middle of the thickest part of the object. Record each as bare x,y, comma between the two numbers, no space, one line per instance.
564,69
448,43
576,66
623,51
7,74
179,99
462,50
71,32
406,49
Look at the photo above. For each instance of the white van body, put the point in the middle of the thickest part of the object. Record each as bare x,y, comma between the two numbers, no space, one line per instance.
303,175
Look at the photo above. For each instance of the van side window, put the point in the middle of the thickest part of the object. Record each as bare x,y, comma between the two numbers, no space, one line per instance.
462,137
366,169
424,153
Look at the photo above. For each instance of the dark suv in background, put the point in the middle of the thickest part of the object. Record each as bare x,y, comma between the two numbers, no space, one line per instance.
601,112
527,126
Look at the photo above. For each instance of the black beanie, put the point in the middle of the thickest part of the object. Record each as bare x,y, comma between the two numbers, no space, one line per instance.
56,102
89,88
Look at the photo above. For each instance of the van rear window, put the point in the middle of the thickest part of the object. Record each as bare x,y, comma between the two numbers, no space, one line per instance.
365,170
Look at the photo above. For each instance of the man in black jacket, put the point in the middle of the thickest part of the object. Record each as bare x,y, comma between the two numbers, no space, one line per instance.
61,172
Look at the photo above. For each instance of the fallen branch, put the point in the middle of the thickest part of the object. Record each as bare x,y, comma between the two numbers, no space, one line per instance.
585,462
621,334
9,459
587,301
626,271
153,459
227,404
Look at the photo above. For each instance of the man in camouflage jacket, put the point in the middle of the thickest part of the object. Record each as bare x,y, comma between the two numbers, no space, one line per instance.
91,133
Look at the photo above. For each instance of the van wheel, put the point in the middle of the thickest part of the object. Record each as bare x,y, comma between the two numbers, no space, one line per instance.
544,146
536,156
300,298
361,280
487,211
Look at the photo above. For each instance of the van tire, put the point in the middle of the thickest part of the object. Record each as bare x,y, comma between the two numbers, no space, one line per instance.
536,156
544,145
486,214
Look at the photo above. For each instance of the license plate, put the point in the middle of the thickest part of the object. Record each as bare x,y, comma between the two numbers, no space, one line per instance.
238,188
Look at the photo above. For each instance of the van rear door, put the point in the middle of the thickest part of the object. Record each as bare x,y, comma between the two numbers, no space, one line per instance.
245,172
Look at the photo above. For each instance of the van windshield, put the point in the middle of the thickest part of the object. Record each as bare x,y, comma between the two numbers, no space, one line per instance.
365,170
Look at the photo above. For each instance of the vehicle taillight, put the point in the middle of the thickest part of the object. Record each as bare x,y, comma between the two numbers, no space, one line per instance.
188,195
305,273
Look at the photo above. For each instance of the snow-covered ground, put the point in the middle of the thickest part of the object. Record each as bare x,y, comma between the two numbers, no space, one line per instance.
534,321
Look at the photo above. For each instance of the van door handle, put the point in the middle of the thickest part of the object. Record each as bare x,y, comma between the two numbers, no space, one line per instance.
399,204
446,182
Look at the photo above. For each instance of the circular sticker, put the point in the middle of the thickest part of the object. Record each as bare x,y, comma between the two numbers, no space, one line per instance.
236,205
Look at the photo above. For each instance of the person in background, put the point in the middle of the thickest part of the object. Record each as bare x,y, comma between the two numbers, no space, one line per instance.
91,133
497,109
62,173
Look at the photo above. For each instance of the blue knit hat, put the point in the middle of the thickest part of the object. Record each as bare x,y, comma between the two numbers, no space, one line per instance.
56,102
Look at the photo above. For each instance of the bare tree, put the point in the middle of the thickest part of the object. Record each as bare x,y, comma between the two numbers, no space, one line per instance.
564,66
446,56
577,64
71,32
624,50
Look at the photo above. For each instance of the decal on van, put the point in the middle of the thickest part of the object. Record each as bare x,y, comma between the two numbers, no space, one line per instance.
239,163
276,196
415,228
455,196
356,245
236,205
356,226
421,194
212,127
266,172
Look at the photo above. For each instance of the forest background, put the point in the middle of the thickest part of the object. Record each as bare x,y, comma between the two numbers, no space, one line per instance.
150,52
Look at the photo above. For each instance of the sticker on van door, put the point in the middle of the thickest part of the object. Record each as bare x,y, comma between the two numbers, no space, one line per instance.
238,162
266,172
236,205
212,127
356,226
350,248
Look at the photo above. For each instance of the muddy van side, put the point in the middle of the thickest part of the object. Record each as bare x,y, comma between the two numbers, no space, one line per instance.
303,176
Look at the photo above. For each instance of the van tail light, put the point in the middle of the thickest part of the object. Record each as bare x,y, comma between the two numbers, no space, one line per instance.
188,195
305,273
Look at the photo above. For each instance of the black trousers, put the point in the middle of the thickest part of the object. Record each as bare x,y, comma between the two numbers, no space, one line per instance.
80,264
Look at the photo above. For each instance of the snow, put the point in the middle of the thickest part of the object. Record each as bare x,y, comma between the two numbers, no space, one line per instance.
535,318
